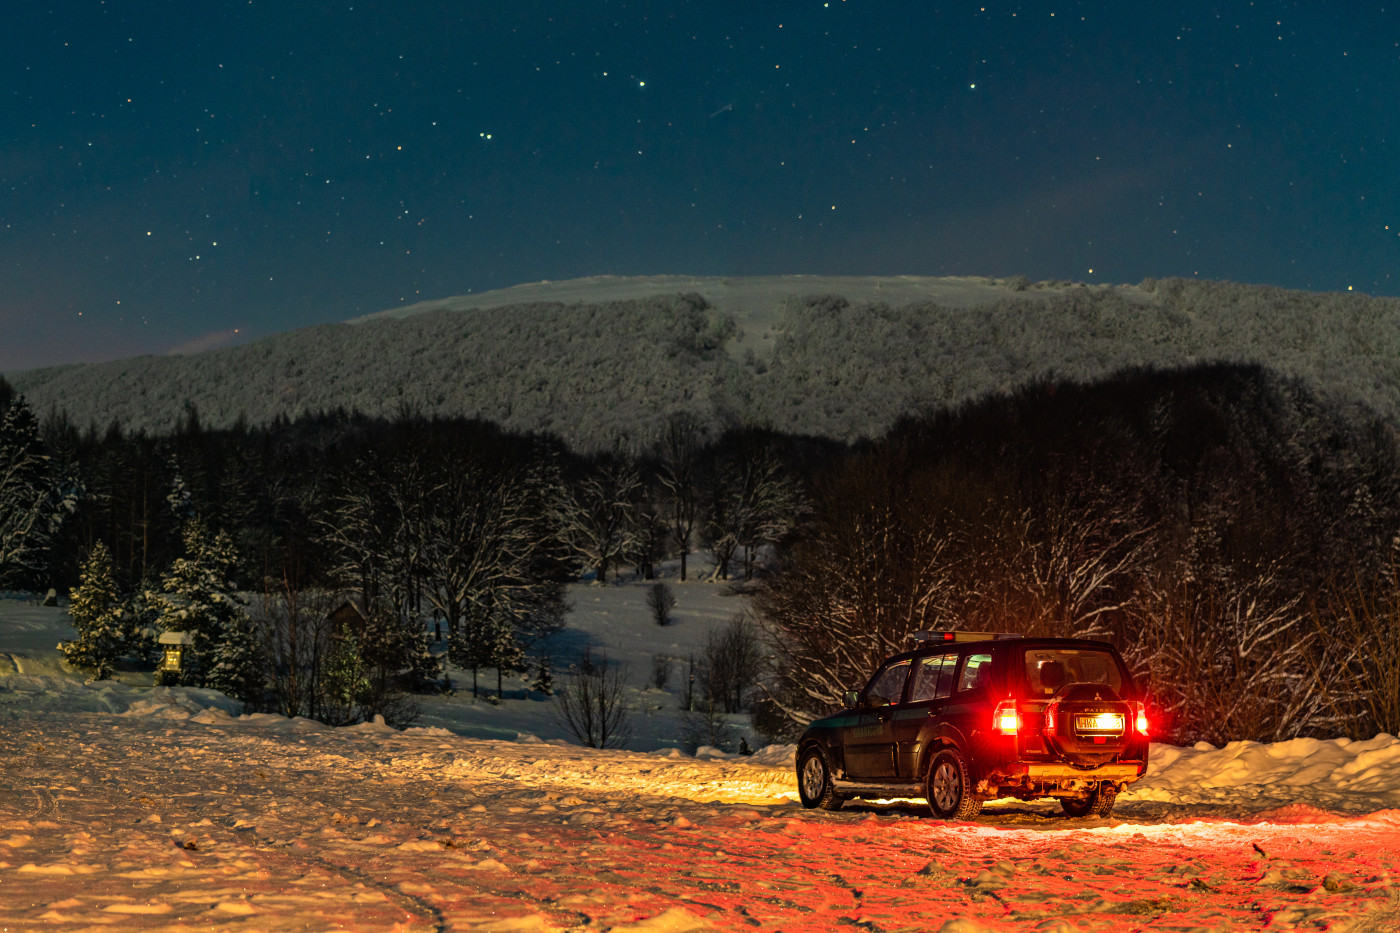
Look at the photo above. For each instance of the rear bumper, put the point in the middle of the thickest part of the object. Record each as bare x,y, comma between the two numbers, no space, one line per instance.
1035,779
1117,771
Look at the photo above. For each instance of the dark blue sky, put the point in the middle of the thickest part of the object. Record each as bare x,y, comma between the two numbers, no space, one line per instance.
171,172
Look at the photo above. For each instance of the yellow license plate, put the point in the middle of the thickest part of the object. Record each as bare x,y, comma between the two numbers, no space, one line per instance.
1106,723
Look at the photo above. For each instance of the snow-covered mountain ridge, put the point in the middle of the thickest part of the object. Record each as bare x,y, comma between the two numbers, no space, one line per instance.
835,356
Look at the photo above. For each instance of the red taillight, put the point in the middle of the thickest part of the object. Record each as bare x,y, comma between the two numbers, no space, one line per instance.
1006,721
1050,712
1140,718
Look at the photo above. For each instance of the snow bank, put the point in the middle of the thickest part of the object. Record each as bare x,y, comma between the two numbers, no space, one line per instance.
1339,774
57,692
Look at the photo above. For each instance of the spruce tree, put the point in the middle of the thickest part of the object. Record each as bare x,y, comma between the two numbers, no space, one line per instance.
34,497
544,677
99,617
503,649
239,663
197,596
345,682
467,647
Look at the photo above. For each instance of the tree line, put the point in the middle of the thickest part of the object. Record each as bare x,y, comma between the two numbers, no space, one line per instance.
1233,531
252,539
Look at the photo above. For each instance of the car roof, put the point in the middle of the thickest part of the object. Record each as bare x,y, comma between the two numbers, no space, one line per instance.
945,647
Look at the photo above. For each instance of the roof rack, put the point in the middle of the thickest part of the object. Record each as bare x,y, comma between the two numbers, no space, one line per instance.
923,637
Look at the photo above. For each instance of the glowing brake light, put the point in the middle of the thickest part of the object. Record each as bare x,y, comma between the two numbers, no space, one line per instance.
1139,718
1006,720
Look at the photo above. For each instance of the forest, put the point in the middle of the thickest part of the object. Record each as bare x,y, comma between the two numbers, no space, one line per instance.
1230,528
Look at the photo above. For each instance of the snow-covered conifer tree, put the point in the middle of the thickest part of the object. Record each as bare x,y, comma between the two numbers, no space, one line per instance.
504,651
345,680
197,595
99,616
544,677
239,662
33,500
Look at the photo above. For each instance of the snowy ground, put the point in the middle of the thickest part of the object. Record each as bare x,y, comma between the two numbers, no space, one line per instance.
124,807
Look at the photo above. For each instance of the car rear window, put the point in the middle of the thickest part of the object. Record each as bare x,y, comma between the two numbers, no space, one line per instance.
1049,669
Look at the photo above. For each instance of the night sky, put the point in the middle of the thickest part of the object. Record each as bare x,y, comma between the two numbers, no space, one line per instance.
182,174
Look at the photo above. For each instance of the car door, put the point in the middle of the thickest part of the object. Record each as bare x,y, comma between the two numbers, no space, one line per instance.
930,685
869,741
968,712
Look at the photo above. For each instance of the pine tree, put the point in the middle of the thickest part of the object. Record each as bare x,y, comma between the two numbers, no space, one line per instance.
197,596
467,646
98,615
504,651
544,677
345,681
34,498
239,663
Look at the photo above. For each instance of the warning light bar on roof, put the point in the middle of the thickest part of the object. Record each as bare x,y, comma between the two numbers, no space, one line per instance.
922,637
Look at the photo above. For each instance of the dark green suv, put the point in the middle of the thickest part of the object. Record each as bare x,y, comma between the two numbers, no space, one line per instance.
973,716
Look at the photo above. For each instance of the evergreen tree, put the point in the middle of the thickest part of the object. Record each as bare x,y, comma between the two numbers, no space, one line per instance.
99,617
239,663
544,677
197,596
345,680
503,650
34,499
467,646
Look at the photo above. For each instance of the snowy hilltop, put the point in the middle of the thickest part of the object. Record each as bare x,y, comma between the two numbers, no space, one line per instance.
837,357
128,806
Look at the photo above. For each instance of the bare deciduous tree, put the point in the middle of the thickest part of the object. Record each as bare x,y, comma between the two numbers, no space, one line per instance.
1358,671
733,662
1226,659
660,600
595,515
679,450
871,567
592,705
753,503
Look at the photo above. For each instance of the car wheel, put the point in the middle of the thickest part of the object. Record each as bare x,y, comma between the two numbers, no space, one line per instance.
947,787
814,783
1099,803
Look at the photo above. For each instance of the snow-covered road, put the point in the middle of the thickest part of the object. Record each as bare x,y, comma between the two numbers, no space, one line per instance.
168,817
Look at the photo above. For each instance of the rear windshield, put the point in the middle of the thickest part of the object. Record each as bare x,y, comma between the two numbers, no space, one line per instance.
1049,669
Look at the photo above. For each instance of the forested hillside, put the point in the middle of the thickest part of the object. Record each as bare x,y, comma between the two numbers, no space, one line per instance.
1230,529
818,364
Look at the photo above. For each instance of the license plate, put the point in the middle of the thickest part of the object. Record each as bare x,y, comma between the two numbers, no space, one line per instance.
1103,723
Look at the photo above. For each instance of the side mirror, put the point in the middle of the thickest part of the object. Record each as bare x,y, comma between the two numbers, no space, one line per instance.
850,699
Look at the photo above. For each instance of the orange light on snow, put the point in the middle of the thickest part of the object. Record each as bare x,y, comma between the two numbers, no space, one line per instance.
1006,720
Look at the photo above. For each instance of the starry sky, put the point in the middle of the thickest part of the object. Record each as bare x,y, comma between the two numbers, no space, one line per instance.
177,175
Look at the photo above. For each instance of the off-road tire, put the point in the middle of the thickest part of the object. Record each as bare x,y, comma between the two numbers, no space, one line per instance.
815,786
1099,803
948,787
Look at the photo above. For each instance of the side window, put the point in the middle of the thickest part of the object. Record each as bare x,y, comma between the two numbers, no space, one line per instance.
933,678
888,685
976,673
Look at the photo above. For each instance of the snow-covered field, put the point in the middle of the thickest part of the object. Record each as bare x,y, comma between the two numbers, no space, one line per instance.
126,807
